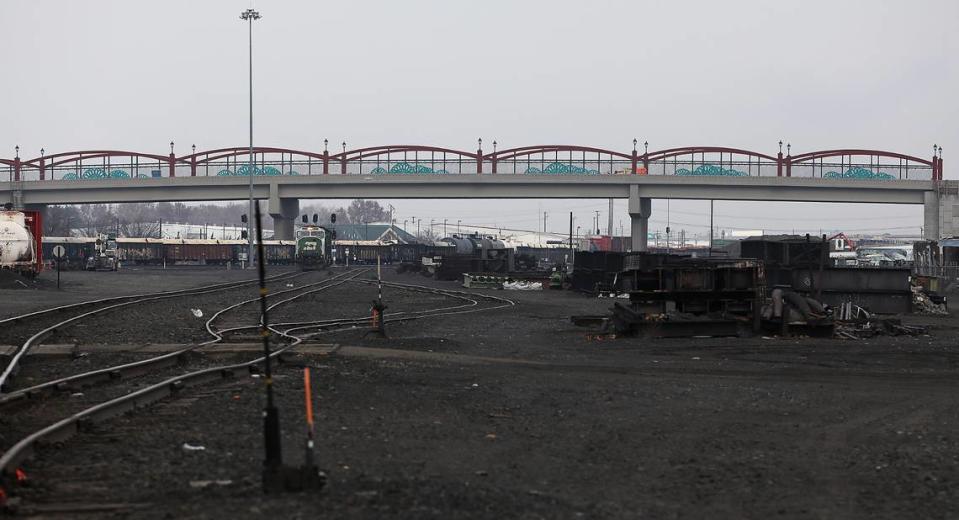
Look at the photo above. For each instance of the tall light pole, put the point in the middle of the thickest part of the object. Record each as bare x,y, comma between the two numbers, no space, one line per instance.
249,15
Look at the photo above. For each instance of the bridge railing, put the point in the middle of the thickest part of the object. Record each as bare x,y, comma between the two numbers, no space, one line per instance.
850,164
714,168
862,164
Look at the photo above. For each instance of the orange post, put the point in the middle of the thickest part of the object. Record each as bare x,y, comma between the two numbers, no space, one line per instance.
309,397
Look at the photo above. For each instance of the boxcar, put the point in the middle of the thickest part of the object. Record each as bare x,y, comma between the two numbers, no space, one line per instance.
77,250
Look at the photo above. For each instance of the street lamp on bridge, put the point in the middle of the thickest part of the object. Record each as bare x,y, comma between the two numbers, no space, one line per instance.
250,15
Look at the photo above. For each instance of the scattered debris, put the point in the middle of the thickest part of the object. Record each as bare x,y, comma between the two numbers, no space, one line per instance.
872,327
197,312
848,311
521,285
190,447
925,302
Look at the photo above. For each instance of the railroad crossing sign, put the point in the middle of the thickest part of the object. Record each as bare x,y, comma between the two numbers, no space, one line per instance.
59,252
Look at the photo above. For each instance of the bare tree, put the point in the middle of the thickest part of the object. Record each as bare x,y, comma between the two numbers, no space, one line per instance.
364,211
59,221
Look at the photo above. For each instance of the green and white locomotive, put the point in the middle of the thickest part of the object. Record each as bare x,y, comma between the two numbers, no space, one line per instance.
313,247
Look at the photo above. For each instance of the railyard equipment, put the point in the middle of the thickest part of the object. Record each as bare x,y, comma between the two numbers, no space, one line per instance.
104,256
678,296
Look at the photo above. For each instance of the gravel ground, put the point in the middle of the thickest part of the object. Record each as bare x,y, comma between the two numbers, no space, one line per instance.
77,286
167,320
516,413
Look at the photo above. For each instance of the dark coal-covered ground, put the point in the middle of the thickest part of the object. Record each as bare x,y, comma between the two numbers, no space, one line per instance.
515,413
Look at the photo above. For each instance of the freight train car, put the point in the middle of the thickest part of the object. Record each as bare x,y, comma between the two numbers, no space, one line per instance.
21,233
77,250
140,251
156,252
279,252
387,253
199,252
453,256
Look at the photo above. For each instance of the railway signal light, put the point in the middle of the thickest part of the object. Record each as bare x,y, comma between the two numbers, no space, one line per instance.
332,218
305,220
316,218
243,218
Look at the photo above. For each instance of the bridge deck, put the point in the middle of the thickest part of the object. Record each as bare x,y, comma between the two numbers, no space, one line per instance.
470,186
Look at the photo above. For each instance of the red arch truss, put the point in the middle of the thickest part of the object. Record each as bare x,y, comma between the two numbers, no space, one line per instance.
689,150
46,166
406,158
409,158
565,158
863,162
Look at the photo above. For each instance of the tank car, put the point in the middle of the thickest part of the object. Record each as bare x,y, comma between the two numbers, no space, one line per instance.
19,237
455,255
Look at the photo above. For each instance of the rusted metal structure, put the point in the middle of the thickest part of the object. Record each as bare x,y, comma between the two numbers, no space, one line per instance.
673,296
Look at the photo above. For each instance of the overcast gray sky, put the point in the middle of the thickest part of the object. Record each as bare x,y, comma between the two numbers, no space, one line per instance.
819,74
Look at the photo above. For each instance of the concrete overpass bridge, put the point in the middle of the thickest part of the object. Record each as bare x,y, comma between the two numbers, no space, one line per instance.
283,176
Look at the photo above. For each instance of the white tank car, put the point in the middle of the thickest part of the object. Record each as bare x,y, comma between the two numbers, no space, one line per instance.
17,248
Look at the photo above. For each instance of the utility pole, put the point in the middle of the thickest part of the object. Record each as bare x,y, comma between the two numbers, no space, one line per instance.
249,15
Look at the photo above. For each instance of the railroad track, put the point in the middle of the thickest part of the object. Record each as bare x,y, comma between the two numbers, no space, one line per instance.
108,304
326,326
145,366
65,428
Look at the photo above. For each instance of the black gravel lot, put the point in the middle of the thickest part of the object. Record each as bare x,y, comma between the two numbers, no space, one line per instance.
515,413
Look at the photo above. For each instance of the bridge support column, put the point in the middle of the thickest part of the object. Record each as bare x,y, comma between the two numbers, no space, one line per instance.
941,212
640,208
930,215
284,212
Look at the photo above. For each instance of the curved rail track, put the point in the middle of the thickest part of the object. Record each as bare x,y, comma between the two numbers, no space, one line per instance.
65,428
144,366
13,366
